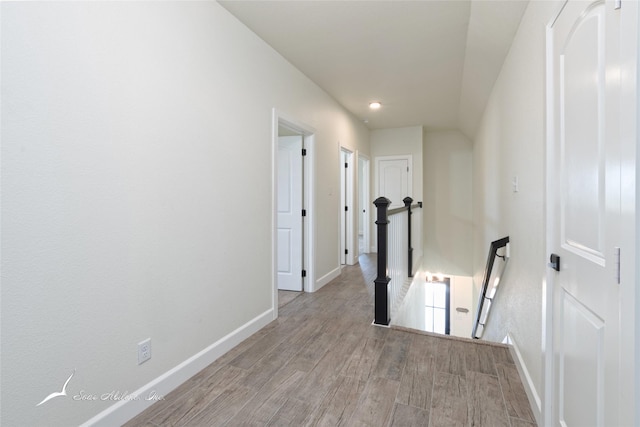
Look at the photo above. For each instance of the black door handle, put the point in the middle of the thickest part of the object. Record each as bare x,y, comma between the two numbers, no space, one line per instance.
555,262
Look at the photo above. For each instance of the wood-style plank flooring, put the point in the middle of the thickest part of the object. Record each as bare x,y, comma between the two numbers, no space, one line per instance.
323,363
285,297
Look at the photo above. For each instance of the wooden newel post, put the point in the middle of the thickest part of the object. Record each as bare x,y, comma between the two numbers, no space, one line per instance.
382,304
407,203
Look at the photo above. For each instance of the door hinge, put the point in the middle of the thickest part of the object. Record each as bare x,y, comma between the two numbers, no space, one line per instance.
616,255
304,273
617,4
304,151
304,212
346,208
346,251
346,165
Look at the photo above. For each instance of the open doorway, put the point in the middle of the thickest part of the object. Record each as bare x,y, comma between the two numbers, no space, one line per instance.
292,190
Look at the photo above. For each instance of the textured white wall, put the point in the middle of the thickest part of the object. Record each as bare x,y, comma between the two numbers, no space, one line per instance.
509,143
461,297
136,144
448,214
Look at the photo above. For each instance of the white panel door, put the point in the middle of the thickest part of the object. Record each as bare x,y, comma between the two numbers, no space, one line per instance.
394,179
289,230
584,190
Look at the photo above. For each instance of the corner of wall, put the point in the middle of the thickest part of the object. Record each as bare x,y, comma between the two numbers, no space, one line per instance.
326,279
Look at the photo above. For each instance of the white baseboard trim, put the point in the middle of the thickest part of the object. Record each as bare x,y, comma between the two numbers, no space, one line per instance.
125,410
326,278
373,323
529,387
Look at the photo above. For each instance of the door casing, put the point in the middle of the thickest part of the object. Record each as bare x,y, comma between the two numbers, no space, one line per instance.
365,206
347,235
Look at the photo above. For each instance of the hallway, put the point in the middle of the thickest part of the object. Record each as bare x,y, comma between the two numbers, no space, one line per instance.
323,363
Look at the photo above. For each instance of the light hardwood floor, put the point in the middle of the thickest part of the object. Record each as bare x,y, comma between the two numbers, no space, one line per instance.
285,297
323,363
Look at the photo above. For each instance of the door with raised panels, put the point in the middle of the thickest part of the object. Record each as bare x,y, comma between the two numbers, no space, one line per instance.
289,202
584,191
394,178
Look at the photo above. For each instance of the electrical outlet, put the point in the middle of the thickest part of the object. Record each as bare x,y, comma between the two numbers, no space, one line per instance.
144,351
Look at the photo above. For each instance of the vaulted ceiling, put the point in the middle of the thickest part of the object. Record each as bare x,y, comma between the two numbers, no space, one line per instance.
430,63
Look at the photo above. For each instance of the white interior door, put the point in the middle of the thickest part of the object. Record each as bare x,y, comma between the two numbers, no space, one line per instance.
289,201
585,182
394,179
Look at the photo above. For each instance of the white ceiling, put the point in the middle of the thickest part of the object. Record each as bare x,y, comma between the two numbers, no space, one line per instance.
430,63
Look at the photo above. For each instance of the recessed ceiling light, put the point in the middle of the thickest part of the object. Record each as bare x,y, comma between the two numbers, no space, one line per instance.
375,105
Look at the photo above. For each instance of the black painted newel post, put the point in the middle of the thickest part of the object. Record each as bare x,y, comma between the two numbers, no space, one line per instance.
407,204
382,312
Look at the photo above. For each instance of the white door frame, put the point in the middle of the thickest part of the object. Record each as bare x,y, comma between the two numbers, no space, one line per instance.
308,225
630,195
346,218
363,189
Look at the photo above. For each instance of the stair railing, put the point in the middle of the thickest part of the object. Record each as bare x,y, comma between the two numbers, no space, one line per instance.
396,231
494,269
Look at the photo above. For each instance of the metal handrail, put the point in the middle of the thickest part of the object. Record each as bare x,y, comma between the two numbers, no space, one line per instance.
493,253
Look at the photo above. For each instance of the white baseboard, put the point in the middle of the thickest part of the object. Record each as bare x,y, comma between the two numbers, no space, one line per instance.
529,387
125,410
326,278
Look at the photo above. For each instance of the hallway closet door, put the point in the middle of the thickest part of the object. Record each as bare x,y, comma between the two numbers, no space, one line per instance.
393,176
584,195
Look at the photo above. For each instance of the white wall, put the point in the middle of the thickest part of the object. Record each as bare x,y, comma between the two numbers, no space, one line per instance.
136,144
461,297
448,214
510,142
